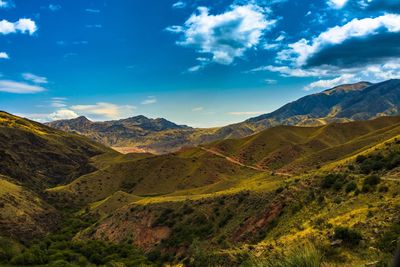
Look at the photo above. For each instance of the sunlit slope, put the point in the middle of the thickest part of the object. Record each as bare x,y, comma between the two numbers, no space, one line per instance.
23,214
261,220
294,149
39,156
151,175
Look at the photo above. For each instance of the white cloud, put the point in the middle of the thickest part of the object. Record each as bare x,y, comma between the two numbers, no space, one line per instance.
4,55
103,109
197,109
225,36
303,50
149,101
325,84
337,4
19,87
34,78
22,26
179,4
245,113
62,114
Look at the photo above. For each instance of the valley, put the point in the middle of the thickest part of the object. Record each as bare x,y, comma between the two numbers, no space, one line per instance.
330,190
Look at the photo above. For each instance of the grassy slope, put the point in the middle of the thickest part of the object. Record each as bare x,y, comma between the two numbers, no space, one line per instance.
148,175
32,158
273,213
23,214
294,149
27,148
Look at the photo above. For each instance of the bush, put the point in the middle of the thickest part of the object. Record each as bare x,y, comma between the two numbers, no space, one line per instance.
335,181
390,239
372,180
370,183
351,186
347,235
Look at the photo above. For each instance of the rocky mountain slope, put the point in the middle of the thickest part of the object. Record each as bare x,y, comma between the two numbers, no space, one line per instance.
360,101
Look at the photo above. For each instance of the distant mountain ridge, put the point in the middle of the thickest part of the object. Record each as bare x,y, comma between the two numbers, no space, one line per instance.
349,102
115,132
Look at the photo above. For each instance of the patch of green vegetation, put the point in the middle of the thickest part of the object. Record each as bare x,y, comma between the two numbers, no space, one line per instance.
307,256
60,249
334,181
347,235
379,161
390,239
370,183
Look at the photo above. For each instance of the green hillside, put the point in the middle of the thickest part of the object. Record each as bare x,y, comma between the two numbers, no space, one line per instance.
308,196
40,156
296,149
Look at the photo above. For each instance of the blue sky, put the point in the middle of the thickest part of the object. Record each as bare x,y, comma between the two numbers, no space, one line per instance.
198,62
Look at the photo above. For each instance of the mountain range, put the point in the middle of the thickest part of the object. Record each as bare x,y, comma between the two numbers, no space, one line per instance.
360,101
320,190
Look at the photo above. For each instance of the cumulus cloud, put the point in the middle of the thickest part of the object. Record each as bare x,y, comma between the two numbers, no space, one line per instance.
362,49
22,26
367,5
19,87
349,42
103,109
224,36
149,101
4,55
62,114
34,78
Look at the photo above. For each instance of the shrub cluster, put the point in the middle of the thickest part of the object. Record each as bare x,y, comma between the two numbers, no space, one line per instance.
378,162
59,249
347,235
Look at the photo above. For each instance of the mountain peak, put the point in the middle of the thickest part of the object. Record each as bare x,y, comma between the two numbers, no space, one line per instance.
82,119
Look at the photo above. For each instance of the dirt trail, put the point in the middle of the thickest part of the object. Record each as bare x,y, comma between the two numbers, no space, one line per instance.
235,161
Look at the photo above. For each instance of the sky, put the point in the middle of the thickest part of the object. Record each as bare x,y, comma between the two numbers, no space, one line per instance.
203,63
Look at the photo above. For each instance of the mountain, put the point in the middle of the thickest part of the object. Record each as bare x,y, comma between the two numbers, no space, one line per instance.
307,196
228,202
359,101
120,133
